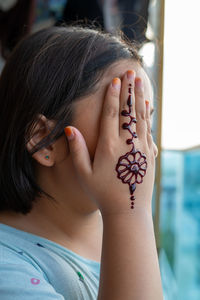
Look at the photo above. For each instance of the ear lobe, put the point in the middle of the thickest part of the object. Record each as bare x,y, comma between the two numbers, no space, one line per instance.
44,156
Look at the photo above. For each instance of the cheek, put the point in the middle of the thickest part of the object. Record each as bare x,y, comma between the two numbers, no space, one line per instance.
90,131
87,121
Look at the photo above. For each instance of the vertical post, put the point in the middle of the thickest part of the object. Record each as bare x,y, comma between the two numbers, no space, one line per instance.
160,35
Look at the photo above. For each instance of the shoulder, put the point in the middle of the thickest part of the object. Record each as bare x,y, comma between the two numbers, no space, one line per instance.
34,264
23,281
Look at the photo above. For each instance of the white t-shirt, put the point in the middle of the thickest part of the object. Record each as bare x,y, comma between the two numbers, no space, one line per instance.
32,267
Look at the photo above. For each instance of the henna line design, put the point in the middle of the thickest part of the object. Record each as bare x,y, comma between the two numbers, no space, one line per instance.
134,166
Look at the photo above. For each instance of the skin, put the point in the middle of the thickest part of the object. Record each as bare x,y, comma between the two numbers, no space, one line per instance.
80,174
74,221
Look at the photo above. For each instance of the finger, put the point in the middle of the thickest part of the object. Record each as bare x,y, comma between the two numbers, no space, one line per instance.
127,103
78,151
148,116
140,108
109,124
148,122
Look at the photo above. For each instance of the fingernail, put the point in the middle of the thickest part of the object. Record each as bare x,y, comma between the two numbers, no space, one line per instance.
130,74
69,133
138,83
116,83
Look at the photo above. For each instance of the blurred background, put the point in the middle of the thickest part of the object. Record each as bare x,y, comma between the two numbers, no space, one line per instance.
167,35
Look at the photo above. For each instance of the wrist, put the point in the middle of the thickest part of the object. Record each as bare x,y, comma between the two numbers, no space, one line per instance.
129,214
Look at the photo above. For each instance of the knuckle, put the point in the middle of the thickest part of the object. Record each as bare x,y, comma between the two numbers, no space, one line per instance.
139,93
142,116
148,124
155,149
114,93
149,139
149,136
111,150
111,111
75,149
141,126
109,147
124,106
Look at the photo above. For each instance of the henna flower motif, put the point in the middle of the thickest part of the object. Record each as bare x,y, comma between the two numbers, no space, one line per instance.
131,168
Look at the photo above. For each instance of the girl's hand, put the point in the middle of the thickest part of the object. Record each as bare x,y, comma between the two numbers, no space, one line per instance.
99,178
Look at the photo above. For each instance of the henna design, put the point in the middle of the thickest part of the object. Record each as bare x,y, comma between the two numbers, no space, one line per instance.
132,166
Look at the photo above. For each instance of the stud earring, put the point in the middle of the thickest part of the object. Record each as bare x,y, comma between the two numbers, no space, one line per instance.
47,156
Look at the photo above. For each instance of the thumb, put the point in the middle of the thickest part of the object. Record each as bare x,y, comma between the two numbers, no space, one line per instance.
78,150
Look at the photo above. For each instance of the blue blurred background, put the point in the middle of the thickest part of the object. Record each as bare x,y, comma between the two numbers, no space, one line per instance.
180,224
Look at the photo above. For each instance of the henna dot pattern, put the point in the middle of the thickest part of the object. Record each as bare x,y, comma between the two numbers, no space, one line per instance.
132,166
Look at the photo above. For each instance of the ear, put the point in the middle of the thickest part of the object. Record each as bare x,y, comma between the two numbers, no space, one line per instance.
46,155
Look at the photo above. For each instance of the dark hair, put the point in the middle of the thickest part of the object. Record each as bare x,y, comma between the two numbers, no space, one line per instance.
46,73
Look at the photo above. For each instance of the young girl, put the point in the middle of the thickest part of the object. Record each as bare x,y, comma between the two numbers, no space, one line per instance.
76,170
